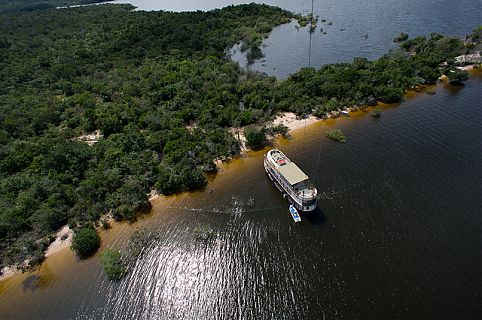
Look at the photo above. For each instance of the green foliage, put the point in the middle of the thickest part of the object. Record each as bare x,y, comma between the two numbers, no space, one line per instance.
336,134
279,129
401,37
457,76
158,88
476,35
390,95
140,78
254,54
85,242
255,137
105,224
114,267
141,239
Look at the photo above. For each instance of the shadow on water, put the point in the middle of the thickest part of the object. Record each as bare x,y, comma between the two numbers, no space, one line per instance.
31,282
34,282
316,217
40,280
453,88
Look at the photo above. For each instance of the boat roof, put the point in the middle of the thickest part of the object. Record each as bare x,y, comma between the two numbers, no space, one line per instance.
292,173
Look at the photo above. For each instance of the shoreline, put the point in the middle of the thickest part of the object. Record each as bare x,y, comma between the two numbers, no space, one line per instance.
63,239
289,119
293,123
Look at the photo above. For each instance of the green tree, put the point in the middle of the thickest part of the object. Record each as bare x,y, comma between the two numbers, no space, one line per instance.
255,137
336,134
457,76
85,242
113,264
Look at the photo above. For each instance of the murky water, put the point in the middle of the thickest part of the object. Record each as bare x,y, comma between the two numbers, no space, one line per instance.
396,237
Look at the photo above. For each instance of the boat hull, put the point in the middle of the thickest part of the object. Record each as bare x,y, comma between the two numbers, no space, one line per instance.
286,192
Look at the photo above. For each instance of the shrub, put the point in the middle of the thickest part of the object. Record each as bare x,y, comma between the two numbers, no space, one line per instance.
85,242
279,129
254,54
390,95
336,135
401,37
114,267
255,137
457,76
105,223
139,240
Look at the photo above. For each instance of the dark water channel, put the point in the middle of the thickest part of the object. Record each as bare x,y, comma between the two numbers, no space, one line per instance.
397,235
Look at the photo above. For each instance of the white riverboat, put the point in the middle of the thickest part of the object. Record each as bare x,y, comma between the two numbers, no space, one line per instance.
293,183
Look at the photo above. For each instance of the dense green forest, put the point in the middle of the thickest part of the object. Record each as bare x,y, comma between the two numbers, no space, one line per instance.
31,5
160,90
140,78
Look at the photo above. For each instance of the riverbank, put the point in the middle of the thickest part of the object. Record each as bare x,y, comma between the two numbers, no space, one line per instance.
8,272
294,122
63,237
353,212
139,131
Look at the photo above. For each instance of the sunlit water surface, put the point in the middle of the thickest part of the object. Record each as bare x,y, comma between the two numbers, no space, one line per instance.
396,237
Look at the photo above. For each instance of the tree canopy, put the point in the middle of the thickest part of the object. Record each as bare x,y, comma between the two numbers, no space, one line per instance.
160,92
85,241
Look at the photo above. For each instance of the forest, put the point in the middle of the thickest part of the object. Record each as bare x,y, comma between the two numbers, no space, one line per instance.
7,6
161,93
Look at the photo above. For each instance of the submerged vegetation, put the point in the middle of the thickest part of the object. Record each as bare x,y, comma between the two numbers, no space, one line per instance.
159,89
114,266
203,233
336,134
139,241
377,112
457,76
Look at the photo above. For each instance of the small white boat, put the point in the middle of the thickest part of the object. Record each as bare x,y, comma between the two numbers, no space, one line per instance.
294,213
345,113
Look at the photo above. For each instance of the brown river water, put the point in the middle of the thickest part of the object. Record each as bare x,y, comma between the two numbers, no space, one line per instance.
396,236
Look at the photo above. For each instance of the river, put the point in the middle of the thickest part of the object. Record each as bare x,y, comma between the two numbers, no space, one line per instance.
358,29
396,236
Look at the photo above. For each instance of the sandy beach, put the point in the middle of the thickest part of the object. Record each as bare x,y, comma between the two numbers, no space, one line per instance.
63,239
290,120
8,272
